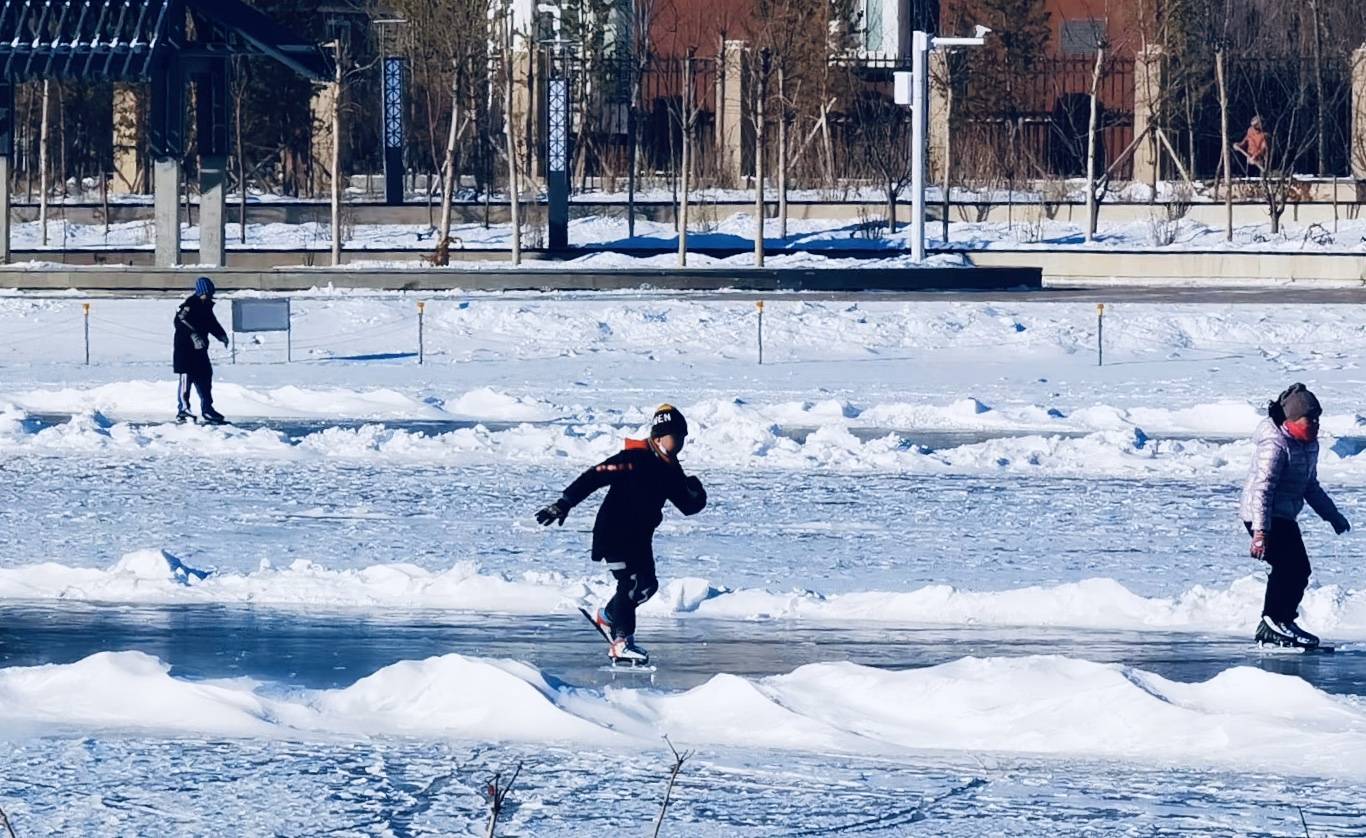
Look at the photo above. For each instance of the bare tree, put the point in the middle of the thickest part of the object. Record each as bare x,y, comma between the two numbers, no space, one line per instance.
449,46
334,166
763,69
783,118
687,118
882,140
509,33
44,141
1225,141
1093,124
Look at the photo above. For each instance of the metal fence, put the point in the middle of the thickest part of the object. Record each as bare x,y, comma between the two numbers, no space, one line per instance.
1040,126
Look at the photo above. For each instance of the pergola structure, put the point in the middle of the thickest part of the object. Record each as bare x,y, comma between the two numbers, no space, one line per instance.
166,44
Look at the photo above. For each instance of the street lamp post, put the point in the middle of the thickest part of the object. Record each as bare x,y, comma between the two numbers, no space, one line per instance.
921,45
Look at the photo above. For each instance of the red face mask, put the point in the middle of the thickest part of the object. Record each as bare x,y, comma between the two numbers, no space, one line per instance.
1303,429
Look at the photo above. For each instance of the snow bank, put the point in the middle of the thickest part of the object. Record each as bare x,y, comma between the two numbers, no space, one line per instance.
140,399
1029,705
154,576
724,439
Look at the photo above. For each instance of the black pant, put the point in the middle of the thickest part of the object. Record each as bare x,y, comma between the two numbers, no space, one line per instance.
1289,569
636,583
201,381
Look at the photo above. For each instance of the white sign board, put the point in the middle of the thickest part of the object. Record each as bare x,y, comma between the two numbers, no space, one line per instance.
903,87
260,315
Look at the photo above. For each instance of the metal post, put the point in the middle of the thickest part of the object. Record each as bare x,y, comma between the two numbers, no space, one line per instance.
85,309
760,306
421,347
7,128
289,334
393,69
557,152
234,346
1100,334
920,50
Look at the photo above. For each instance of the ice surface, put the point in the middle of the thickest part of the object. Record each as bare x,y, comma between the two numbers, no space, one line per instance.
156,576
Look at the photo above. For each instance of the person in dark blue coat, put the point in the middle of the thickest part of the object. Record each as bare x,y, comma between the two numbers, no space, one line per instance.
195,323
641,479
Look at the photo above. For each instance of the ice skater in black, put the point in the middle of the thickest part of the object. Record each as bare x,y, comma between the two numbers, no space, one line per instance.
195,323
641,478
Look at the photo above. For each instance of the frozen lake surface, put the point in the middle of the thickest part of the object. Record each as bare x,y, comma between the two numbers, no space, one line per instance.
954,579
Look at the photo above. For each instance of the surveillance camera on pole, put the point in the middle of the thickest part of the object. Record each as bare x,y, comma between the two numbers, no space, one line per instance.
913,89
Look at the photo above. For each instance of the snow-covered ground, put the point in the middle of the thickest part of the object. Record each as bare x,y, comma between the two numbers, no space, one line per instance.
1030,228
890,464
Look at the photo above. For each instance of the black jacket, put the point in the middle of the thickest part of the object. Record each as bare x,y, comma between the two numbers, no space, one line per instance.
195,323
640,482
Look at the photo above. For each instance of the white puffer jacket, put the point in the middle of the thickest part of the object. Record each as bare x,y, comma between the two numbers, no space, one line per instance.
1284,474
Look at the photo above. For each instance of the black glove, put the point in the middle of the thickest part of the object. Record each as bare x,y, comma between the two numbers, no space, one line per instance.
552,513
225,341
1340,524
199,342
694,487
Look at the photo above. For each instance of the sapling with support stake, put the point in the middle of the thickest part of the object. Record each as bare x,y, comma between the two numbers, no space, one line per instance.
497,793
421,314
1100,334
760,307
679,759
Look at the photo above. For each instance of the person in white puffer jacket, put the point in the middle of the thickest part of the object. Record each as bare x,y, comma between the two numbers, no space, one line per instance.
1283,477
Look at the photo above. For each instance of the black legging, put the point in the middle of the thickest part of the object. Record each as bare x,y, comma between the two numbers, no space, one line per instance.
636,583
1289,570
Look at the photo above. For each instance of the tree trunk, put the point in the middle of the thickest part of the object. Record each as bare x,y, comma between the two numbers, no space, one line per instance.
514,188
335,180
1318,88
827,145
891,208
241,164
685,165
448,168
633,149
1224,156
782,155
43,140
1092,210
946,165
760,96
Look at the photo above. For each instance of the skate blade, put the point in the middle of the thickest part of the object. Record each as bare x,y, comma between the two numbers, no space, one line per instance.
1278,649
631,668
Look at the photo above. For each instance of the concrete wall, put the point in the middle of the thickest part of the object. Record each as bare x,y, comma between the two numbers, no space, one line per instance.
1137,268
153,280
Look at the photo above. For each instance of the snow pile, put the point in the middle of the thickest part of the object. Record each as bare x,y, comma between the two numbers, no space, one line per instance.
727,441
149,399
130,690
154,576
1030,705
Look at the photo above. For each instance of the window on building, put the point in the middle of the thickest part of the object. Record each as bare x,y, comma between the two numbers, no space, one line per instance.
1079,37
872,25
